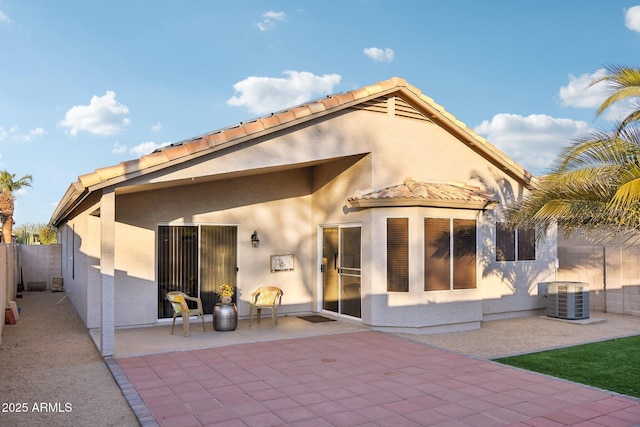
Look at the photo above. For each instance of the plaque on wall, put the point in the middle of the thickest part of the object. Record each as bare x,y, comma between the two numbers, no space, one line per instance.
281,263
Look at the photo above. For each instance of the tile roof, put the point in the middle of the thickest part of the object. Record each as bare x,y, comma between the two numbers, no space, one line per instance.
420,193
213,141
255,127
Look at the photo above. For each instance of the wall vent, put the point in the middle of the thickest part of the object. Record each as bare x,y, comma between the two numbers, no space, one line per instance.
568,300
398,106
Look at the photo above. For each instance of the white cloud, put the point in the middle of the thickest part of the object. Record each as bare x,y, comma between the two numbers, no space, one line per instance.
156,127
579,94
269,20
32,134
533,141
632,18
268,94
4,18
14,132
379,55
146,148
101,117
119,148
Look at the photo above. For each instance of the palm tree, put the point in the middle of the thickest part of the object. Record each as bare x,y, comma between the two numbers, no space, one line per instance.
595,183
9,184
625,83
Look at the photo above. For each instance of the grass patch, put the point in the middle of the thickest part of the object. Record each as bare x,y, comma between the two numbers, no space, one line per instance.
610,365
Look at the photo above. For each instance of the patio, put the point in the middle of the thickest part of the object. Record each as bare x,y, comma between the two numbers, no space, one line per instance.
158,339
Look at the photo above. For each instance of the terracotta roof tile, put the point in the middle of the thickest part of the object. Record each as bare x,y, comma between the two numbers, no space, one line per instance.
235,132
270,121
131,165
217,138
360,93
300,112
110,172
253,127
89,179
154,159
412,191
393,82
243,129
344,98
176,152
286,116
330,102
373,89
316,107
197,145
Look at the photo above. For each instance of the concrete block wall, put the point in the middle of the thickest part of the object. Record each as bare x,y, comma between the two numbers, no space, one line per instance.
40,264
612,272
624,301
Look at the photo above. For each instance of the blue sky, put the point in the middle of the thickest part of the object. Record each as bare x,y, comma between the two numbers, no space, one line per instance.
88,84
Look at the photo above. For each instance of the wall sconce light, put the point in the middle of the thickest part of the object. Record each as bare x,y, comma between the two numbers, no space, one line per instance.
254,239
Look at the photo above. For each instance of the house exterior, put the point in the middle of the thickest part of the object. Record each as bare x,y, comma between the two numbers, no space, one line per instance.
375,206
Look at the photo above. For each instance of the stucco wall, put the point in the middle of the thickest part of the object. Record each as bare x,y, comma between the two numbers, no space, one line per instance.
286,186
277,205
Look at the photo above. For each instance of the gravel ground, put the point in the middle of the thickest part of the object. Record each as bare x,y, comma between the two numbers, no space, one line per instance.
52,373
503,338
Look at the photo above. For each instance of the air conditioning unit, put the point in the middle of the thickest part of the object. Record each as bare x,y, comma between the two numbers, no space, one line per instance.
568,300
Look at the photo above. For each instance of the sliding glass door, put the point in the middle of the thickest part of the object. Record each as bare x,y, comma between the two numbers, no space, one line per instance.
195,260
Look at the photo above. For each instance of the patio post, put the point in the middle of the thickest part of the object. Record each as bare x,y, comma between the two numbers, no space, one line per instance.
107,272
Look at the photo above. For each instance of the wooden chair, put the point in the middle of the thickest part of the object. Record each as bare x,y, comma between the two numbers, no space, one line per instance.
178,302
265,297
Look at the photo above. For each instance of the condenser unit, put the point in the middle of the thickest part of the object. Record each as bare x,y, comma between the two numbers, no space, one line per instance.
568,300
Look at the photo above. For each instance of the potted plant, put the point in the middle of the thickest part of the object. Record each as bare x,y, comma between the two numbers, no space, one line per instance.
226,294
225,313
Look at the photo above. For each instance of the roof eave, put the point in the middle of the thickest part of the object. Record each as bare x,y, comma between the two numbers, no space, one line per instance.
74,195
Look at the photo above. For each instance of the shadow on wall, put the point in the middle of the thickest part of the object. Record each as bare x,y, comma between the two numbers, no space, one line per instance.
521,277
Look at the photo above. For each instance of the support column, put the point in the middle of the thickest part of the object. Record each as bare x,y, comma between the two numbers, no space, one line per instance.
107,272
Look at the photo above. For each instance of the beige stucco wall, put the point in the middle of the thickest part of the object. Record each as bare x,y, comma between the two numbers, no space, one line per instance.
276,205
286,187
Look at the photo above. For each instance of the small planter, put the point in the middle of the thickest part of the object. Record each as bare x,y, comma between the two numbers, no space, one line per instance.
225,317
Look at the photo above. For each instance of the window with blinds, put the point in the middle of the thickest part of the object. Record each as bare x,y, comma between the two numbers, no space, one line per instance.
515,245
449,254
464,254
397,254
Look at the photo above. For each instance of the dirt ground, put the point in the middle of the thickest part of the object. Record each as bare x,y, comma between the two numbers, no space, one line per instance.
51,373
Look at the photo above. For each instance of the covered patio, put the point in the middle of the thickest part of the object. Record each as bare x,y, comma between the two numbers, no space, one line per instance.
158,339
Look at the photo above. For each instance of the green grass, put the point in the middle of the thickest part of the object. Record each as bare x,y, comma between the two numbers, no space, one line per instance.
612,365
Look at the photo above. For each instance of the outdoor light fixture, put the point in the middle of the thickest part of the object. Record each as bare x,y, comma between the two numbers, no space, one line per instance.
254,239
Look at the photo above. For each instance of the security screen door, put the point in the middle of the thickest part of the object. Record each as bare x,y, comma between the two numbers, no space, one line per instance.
341,270
195,260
